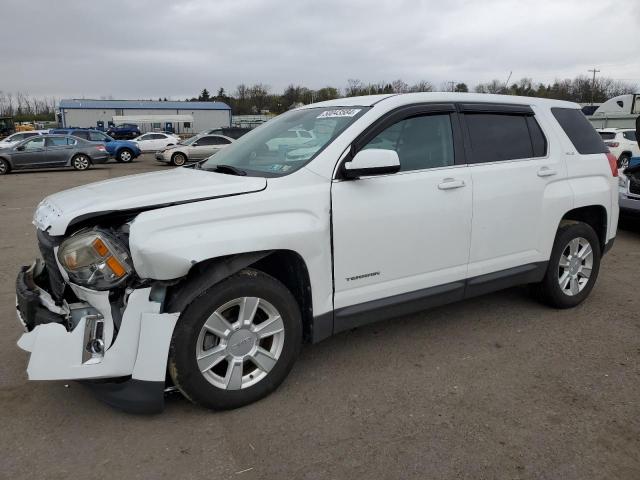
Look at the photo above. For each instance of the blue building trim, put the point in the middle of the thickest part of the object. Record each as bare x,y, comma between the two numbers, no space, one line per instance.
84,104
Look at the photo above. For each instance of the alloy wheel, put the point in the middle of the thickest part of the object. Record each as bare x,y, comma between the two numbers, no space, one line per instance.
125,156
240,343
575,265
81,162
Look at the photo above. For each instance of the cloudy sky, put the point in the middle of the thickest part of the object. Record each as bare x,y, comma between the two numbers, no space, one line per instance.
147,48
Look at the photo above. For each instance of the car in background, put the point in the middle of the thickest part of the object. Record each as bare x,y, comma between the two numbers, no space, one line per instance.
291,138
193,149
123,151
16,138
622,143
50,151
233,132
629,189
154,141
125,131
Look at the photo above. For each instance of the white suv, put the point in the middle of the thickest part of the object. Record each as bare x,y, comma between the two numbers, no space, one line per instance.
622,143
210,277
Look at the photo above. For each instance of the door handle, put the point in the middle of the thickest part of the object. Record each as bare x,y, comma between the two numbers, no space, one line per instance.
546,172
450,183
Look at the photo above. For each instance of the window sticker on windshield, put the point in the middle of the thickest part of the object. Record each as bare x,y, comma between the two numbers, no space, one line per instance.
341,112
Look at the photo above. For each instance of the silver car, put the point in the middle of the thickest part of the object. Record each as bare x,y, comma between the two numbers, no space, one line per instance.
193,149
49,151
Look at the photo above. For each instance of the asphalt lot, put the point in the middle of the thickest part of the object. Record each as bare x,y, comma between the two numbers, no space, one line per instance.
495,387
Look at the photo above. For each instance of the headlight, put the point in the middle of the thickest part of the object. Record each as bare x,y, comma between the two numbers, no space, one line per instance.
95,259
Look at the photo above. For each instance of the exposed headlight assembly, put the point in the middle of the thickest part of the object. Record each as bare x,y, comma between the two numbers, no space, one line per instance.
95,259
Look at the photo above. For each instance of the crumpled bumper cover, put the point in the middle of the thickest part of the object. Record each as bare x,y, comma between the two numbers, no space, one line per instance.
138,353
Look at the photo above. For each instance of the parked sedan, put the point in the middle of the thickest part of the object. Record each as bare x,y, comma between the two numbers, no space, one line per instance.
16,138
122,150
193,149
48,151
152,142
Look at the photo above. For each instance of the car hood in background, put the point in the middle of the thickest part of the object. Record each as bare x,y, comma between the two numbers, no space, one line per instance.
138,192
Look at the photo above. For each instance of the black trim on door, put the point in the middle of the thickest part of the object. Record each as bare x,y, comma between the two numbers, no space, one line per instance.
354,316
506,108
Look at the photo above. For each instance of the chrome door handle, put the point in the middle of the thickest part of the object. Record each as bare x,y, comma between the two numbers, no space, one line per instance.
450,183
546,172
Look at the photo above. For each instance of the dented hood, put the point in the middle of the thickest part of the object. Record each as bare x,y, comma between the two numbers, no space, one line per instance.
137,193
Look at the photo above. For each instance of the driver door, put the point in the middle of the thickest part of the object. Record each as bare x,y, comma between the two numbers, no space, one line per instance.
401,241
30,153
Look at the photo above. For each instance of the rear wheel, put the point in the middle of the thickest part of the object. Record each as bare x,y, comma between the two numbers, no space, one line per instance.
623,161
236,342
573,266
125,156
178,159
80,162
4,167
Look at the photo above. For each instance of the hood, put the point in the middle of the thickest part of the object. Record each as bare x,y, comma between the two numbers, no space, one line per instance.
138,192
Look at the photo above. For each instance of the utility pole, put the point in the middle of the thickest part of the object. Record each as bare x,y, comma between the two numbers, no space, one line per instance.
593,82
452,85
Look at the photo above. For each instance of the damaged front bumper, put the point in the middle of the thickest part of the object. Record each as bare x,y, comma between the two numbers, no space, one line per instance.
125,366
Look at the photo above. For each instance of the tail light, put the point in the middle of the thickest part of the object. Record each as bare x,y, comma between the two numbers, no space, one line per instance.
613,164
612,144
101,148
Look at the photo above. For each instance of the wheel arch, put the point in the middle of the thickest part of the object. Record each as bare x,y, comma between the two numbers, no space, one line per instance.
287,266
593,215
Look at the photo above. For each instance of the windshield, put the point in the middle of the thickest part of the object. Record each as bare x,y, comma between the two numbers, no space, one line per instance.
286,143
189,140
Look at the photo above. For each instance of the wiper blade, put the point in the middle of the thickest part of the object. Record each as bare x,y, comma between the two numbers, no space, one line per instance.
229,169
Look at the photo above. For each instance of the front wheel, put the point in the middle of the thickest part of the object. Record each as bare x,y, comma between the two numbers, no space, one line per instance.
235,343
80,162
125,156
178,159
573,266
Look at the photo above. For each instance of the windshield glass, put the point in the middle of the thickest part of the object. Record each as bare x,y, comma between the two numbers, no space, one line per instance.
286,143
189,140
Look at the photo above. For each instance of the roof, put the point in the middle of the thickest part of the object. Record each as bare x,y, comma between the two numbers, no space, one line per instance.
407,98
141,104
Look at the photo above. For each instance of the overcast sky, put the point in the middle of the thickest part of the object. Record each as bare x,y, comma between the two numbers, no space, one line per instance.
148,49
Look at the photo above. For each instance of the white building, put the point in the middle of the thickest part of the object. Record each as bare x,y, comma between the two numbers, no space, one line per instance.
181,117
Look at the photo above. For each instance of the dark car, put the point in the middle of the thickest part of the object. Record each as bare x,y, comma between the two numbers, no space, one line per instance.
49,151
122,150
125,131
233,132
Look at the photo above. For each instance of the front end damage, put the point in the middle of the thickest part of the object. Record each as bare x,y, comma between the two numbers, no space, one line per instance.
115,341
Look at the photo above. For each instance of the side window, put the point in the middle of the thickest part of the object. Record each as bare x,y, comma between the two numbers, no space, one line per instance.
581,133
80,134
96,137
56,141
630,135
421,142
29,135
220,141
496,137
538,140
156,136
34,144
206,141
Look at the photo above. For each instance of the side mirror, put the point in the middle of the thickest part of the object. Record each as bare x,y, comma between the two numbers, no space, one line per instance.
373,161
20,148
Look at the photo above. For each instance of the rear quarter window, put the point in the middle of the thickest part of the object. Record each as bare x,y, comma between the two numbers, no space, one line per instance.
583,136
607,135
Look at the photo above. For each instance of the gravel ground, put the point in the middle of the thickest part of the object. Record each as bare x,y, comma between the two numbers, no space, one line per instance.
495,387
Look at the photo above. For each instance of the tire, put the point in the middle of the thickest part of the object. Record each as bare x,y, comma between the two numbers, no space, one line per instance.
81,162
125,156
178,159
571,235
623,161
234,379
4,167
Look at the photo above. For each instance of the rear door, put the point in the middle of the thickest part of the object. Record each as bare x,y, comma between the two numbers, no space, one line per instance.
513,175
204,147
58,151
